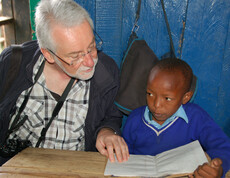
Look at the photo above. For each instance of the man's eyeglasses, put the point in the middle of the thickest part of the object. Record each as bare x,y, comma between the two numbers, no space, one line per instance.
92,50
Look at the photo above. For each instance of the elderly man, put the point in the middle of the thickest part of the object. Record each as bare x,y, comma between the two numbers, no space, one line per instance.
40,107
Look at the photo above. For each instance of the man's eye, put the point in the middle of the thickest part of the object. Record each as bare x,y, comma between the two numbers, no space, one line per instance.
90,49
75,57
168,99
91,46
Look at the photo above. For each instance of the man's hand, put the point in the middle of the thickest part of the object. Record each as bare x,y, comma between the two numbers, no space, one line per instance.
214,169
108,142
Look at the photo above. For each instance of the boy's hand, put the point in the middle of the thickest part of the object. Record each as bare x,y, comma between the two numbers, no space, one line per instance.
214,169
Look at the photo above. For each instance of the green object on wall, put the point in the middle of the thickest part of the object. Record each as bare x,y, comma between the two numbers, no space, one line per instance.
33,4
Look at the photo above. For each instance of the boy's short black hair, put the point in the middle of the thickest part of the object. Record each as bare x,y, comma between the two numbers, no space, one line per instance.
172,64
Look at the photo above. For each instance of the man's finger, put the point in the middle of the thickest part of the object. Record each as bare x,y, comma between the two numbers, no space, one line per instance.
101,148
124,150
110,152
117,149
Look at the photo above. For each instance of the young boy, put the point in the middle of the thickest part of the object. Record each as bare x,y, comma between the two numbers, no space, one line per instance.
170,121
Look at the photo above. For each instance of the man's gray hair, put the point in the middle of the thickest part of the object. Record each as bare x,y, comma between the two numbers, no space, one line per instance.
65,12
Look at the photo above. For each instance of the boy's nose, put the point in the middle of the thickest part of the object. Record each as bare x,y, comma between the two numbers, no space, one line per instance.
157,102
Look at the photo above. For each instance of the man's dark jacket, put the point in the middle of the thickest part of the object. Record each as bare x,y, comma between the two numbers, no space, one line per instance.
103,88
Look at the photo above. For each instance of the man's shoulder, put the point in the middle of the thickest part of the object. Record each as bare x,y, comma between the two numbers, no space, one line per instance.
30,45
106,73
28,48
107,61
106,69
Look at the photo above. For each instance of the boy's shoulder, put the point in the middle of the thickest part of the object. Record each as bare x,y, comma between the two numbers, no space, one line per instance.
194,111
191,106
134,119
138,111
137,114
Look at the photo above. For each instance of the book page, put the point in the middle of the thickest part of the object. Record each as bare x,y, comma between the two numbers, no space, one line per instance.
184,159
137,165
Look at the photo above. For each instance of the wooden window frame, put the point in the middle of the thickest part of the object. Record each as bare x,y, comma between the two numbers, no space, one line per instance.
16,21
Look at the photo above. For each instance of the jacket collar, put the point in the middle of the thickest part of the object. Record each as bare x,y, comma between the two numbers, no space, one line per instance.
102,78
35,53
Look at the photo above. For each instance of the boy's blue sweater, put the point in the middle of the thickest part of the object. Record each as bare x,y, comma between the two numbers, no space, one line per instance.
143,138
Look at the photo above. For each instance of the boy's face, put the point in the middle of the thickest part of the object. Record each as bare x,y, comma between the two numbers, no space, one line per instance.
165,93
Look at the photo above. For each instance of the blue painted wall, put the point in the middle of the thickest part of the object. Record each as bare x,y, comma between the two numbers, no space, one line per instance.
206,44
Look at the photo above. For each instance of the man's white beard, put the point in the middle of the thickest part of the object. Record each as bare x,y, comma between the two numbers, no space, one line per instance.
80,73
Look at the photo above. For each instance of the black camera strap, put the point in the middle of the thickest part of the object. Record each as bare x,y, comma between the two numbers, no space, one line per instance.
56,111
18,123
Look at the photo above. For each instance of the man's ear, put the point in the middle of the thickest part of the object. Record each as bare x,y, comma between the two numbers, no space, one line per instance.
187,96
47,55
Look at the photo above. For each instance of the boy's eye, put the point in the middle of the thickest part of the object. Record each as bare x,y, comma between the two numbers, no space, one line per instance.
168,99
150,94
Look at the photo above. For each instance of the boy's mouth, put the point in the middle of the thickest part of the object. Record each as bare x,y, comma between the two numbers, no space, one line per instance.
157,115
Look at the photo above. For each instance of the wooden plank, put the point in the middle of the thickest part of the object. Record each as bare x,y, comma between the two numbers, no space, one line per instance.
40,162
21,13
19,30
36,161
9,28
2,39
5,20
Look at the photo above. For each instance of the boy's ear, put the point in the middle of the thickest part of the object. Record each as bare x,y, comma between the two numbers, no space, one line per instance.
187,96
47,55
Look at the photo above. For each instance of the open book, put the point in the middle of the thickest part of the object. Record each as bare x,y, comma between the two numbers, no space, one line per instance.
182,161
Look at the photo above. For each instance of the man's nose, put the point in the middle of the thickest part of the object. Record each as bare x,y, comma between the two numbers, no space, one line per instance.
88,60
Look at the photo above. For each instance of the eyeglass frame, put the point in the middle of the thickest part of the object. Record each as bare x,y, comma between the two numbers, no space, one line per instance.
83,54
